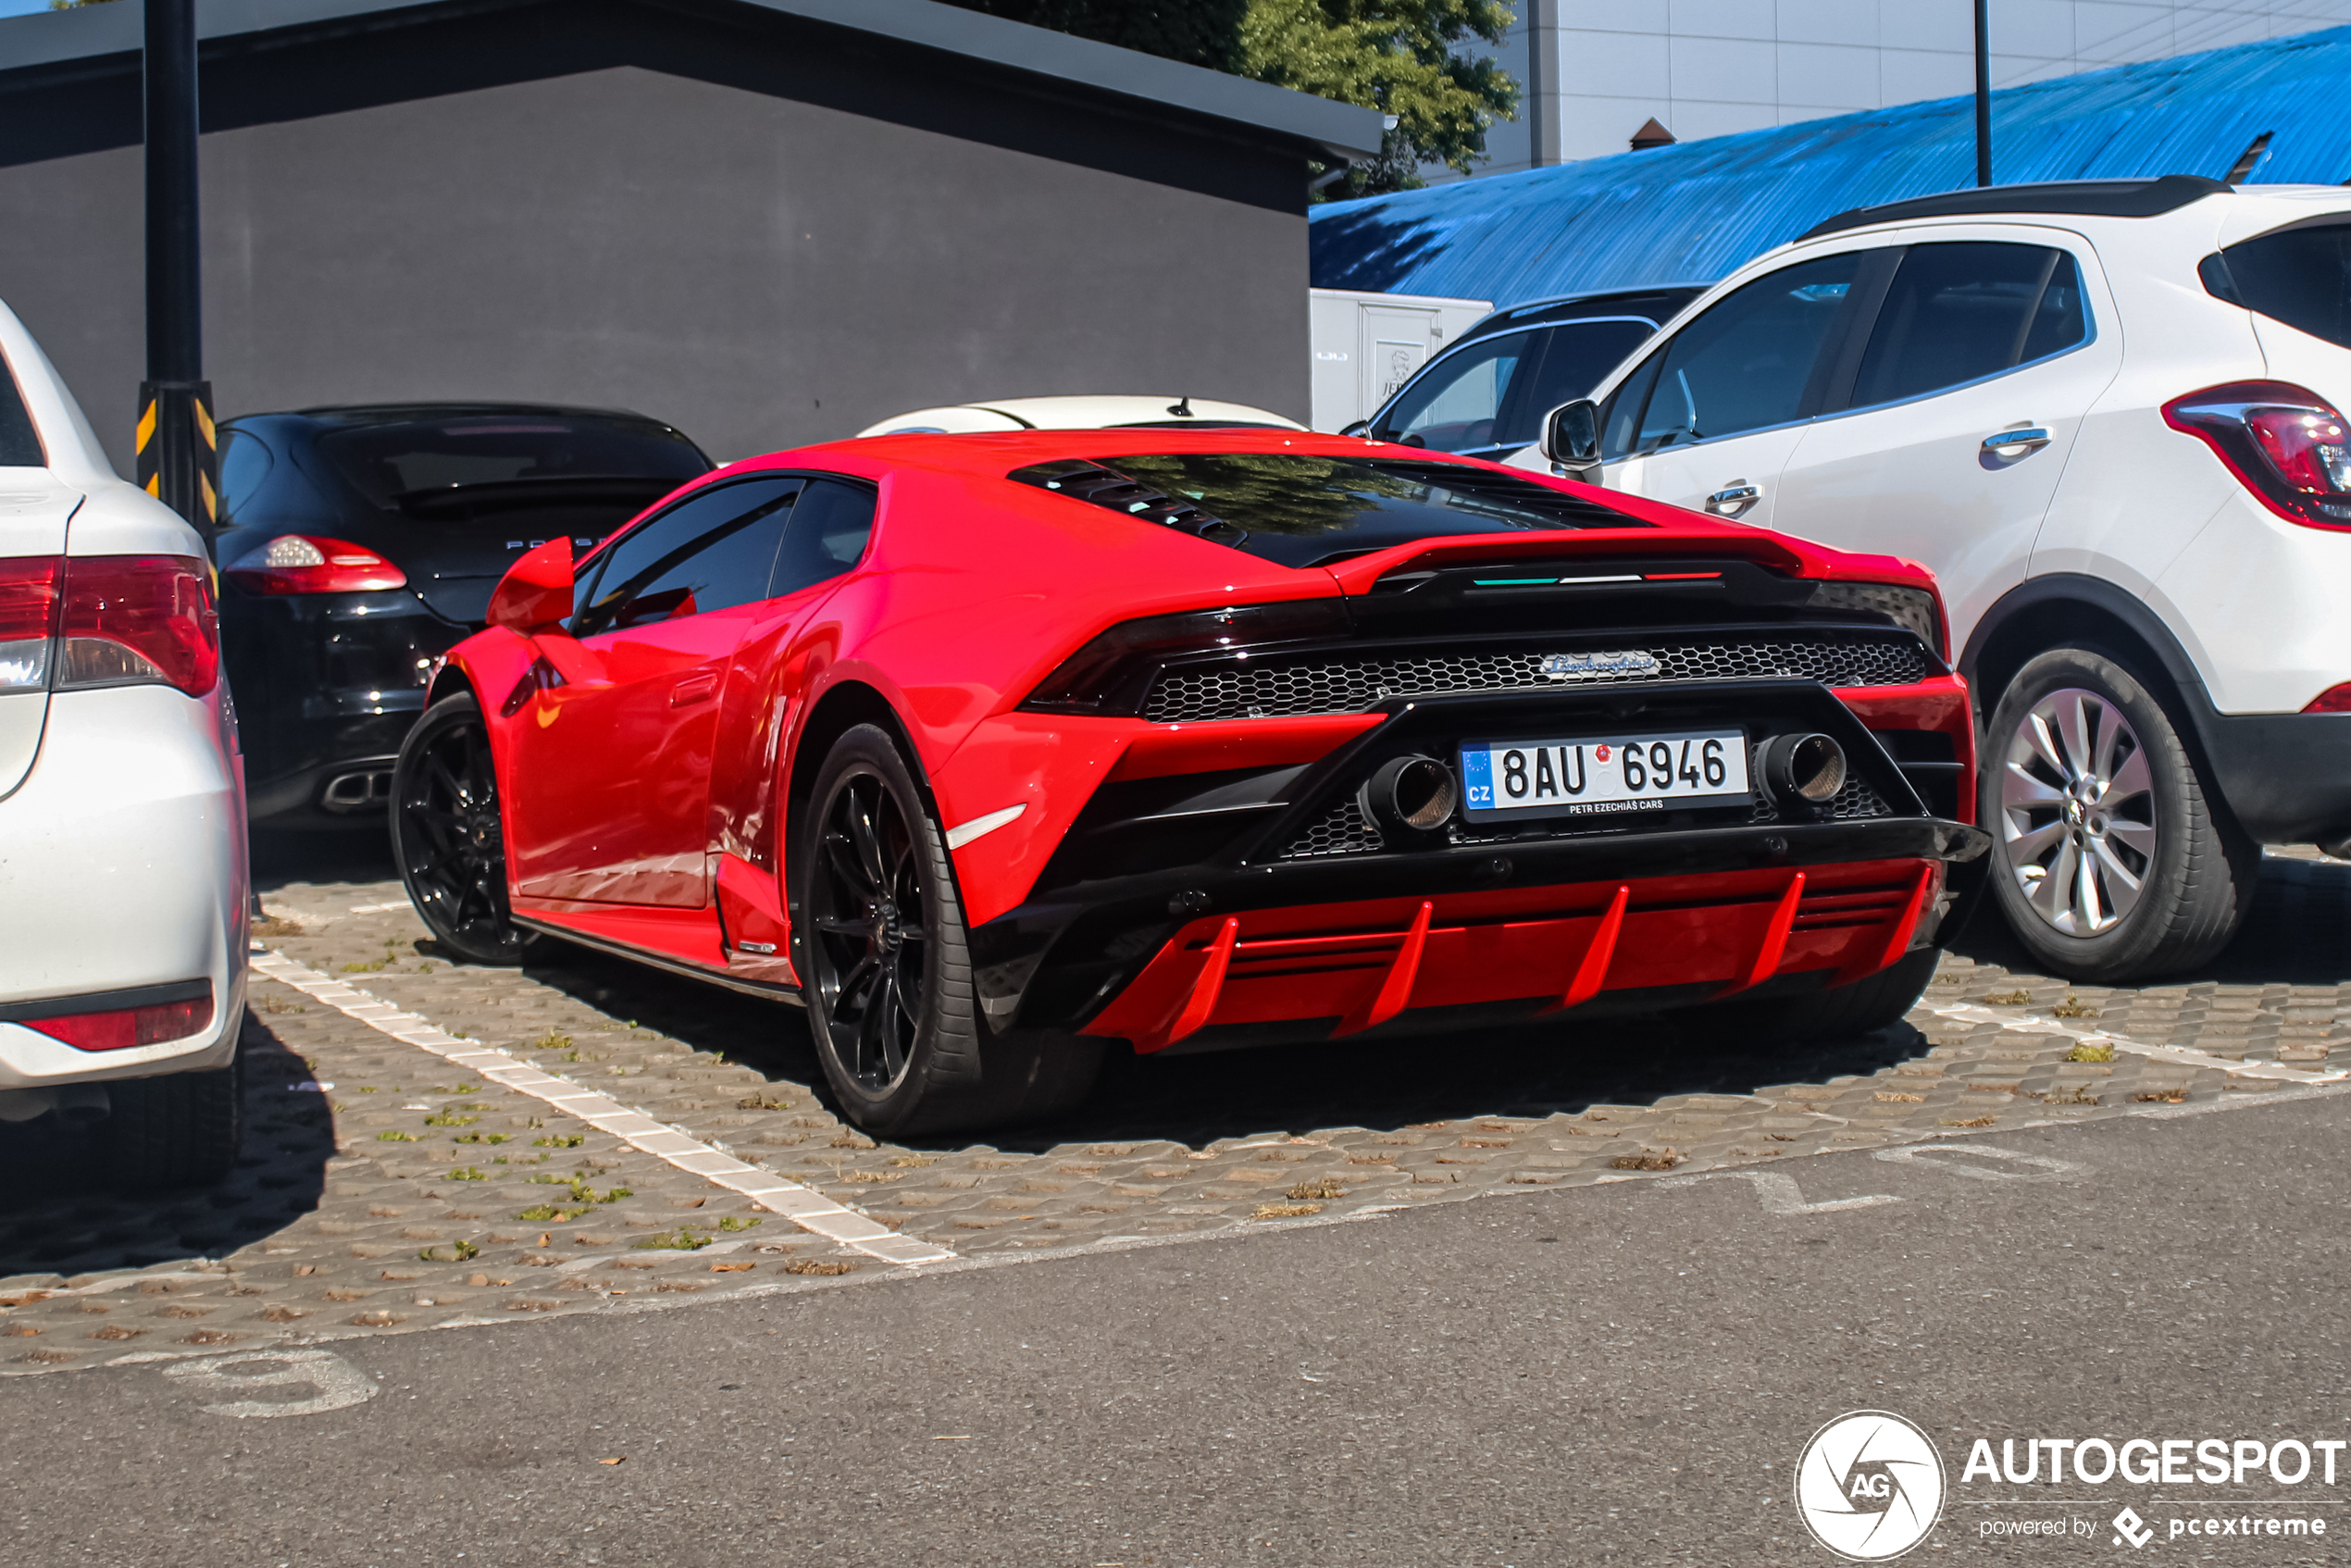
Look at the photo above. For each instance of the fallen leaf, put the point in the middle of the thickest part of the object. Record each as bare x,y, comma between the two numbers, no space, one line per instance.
623,1460
730,1268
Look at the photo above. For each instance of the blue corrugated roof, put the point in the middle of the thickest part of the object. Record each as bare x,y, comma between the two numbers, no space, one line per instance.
1692,212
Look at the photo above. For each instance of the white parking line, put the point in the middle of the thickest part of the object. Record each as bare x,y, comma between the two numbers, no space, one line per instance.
2034,1023
809,1210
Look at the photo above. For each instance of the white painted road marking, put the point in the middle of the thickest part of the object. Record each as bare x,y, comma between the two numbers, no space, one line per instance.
1935,1156
339,1384
2034,1023
1779,1194
807,1208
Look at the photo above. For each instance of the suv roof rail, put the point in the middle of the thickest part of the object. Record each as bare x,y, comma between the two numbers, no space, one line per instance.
2088,198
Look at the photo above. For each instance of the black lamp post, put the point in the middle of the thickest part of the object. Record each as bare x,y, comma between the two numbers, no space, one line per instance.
177,459
1983,92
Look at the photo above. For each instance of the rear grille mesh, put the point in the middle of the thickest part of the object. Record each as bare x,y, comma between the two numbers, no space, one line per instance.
1344,685
1343,830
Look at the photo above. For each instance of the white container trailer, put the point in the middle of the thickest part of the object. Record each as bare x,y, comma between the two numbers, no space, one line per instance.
1367,345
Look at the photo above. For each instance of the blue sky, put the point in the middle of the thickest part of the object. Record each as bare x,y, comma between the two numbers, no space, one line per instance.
19,8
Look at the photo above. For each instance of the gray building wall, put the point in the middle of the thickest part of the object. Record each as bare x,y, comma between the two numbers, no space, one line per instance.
765,236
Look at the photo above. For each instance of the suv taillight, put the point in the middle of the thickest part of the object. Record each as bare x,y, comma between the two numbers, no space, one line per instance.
28,620
74,622
295,563
2284,443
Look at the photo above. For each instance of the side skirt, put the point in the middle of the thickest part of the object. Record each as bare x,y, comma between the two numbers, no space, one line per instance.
771,991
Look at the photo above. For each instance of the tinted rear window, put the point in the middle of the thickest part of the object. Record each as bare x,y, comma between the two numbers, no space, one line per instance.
2301,277
417,456
19,443
1304,511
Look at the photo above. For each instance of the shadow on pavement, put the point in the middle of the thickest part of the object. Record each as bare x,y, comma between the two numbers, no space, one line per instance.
1384,1084
57,1215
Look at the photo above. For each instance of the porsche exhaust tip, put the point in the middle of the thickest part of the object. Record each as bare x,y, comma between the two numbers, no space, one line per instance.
1410,796
1804,770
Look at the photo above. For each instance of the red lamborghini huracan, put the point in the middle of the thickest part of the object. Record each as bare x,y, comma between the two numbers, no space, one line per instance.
995,750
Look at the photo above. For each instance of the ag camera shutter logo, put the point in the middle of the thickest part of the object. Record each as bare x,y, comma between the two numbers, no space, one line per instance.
1870,1485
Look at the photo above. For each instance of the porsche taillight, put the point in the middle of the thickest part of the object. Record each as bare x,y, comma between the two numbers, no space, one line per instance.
70,623
2286,444
295,563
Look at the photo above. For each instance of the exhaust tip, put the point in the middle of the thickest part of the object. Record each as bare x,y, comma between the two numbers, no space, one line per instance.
1411,796
1804,770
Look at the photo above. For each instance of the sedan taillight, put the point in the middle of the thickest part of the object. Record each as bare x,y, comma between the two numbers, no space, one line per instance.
28,620
2284,443
70,623
295,563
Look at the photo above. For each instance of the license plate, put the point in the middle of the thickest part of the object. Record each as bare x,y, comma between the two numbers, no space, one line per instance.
1590,777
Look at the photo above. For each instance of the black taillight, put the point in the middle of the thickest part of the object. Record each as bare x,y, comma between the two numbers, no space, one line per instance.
2286,444
1111,674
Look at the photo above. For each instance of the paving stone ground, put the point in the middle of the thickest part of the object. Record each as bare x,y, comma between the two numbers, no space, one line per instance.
399,1197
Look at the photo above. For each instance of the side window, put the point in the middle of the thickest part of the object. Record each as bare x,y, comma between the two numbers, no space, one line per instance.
1620,415
1749,362
1962,311
1455,405
19,442
828,534
245,463
713,551
1576,354
2299,276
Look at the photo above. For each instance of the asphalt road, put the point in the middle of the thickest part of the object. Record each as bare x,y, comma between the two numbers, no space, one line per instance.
1623,1373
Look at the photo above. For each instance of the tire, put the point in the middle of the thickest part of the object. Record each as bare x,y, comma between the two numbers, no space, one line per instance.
179,1131
878,940
2111,859
1869,1004
449,838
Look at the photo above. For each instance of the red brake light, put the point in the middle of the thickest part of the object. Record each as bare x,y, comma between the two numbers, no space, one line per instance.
2334,700
124,1028
295,563
2284,443
27,619
135,620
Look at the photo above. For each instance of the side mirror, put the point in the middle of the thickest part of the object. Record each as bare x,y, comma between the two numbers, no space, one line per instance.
535,594
1572,440
1360,427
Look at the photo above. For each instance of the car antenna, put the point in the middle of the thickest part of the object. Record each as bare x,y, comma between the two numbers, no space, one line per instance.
1182,410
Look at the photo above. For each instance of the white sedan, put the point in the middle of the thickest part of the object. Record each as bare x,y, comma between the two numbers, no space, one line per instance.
123,884
1079,413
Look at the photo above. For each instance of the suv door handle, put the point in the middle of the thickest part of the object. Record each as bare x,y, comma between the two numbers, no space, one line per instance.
1737,496
694,688
2026,440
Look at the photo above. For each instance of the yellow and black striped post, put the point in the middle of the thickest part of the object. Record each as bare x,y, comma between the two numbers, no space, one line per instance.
179,452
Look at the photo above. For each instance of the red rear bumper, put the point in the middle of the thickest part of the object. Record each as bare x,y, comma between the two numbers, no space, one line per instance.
1362,963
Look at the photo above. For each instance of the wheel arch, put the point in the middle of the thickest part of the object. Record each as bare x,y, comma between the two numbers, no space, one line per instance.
843,706
448,680
2071,610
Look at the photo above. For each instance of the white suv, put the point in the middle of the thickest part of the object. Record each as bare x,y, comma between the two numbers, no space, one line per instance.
122,847
2104,415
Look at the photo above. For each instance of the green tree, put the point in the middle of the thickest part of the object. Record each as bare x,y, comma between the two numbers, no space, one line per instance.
1402,56
1411,59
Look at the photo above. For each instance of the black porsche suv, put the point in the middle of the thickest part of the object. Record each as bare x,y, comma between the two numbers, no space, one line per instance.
359,543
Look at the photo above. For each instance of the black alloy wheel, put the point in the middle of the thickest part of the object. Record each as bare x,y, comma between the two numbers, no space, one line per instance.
872,919
448,837
878,938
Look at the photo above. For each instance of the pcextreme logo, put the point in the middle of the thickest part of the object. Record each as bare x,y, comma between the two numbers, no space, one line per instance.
1869,1485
